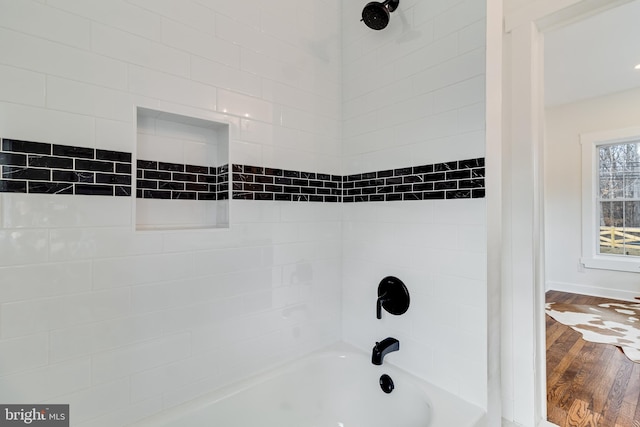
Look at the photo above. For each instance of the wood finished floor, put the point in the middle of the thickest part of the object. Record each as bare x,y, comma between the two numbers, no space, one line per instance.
588,384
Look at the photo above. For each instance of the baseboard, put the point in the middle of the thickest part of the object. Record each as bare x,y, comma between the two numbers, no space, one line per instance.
543,423
593,291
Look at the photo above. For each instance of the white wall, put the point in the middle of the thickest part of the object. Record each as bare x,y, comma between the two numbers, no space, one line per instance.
563,190
118,323
414,95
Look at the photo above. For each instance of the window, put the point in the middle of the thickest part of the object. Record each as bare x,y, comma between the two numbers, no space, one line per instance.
611,200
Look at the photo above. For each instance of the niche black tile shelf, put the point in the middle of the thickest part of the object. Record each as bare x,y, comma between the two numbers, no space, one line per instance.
37,167
175,181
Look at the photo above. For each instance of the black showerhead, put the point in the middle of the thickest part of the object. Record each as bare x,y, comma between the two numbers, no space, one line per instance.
376,15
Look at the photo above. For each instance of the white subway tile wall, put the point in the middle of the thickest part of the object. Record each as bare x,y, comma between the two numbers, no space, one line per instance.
414,95
121,324
442,261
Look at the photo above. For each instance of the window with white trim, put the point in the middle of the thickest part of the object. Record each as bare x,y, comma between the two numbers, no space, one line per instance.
611,200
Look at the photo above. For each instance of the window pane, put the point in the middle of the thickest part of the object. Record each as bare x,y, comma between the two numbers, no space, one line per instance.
620,228
611,226
632,214
632,228
619,170
611,185
619,190
611,214
632,179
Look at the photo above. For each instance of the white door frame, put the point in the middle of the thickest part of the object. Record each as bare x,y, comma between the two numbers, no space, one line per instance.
523,327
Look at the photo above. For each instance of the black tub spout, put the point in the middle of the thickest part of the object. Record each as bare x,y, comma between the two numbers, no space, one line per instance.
382,348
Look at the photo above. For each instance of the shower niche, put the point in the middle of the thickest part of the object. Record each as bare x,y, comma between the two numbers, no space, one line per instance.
182,172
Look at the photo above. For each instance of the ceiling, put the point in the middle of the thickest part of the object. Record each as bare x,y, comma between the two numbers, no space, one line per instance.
593,57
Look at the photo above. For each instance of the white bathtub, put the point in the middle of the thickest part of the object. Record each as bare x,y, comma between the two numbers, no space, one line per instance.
337,387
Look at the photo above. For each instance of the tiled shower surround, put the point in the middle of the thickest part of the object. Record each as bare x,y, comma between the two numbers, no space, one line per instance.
121,324
36,167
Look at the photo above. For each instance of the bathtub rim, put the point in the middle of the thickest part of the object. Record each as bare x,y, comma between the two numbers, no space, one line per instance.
447,409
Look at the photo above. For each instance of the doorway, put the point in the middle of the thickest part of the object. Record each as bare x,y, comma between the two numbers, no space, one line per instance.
592,95
590,85
523,244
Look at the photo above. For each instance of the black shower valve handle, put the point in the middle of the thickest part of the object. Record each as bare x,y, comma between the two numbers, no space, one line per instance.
381,300
393,296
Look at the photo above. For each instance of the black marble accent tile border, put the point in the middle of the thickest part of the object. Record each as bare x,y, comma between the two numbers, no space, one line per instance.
37,167
176,181
462,179
261,183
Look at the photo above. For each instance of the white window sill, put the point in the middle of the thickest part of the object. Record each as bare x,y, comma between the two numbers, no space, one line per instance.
612,263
